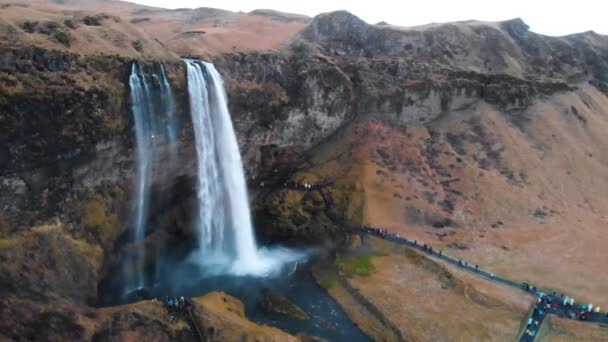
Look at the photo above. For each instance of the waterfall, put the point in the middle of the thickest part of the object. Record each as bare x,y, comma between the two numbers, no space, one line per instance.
153,107
140,106
225,233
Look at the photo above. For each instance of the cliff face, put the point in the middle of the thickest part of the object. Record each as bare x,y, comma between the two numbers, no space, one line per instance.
67,155
339,68
483,150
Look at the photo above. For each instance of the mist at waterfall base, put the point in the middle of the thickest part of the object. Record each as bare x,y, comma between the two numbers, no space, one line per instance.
224,255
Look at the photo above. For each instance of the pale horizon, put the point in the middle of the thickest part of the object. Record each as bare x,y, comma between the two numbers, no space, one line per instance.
553,18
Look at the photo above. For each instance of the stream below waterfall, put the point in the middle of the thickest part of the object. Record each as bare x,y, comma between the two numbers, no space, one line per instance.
295,282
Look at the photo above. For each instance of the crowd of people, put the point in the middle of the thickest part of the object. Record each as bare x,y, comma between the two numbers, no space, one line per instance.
293,185
300,185
559,305
177,306
271,182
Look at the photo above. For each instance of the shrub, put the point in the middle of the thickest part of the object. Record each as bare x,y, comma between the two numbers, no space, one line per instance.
70,24
95,20
29,26
62,38
138,46
98,222
139,20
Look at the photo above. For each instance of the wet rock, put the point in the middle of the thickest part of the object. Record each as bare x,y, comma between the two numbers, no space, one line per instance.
15,185
276,303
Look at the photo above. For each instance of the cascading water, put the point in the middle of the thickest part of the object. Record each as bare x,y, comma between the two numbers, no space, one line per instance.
153,106
140,106
225,232
168,106
227,258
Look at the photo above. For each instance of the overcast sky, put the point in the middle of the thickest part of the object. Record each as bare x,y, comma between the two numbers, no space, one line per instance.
551,17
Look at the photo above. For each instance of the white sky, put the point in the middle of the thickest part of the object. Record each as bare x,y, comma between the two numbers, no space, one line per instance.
550,17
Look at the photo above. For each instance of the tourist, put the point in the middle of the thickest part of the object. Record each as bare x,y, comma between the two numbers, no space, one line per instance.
476,267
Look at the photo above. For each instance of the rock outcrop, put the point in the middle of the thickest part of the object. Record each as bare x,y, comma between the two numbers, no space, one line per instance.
275,303
214,317
222,318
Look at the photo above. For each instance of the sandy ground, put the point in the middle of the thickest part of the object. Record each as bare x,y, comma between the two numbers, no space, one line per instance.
557,329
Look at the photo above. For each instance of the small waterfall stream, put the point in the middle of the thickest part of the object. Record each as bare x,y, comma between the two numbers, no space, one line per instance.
140,106
153,106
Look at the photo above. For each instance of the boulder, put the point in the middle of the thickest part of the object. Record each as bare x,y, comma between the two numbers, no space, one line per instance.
275,303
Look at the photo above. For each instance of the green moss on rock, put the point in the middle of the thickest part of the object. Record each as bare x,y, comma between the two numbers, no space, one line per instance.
355,265
100,224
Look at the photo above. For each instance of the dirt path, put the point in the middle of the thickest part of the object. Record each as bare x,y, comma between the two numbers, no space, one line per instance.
548,303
